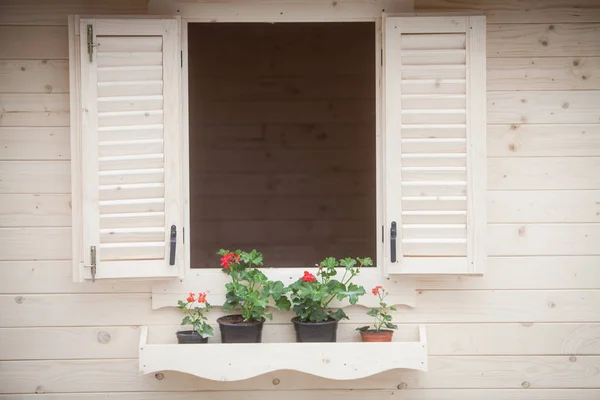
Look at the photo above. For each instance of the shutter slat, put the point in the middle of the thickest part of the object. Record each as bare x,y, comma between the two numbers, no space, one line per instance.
130,74
130,88
431,86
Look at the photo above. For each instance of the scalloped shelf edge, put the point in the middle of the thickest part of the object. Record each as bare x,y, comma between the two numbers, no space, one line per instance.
234,362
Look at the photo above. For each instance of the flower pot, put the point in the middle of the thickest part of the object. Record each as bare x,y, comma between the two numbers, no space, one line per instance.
324,331
371,335
190,337
235,330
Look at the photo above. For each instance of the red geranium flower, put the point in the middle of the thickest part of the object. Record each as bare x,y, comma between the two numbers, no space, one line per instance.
308,277
201,297
376,289
190,298
227,259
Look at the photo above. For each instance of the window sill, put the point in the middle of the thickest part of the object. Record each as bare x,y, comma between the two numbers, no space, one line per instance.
233,362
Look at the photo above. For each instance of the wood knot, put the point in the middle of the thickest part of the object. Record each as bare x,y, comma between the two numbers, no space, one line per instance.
276,381
23,69
551,28
39,390
334,4
48,89
525,384
551,304
514,127
524,101
544,42
565,105
572,358
576,63
584,77
522,231
19,299
103,337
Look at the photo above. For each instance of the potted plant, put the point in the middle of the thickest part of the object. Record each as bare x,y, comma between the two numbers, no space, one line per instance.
195,311
249,291
311,295
382,318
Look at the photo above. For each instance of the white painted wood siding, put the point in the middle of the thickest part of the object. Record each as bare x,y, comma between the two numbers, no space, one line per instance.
527,330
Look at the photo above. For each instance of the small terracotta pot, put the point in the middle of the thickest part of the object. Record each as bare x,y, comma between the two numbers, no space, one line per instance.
371,335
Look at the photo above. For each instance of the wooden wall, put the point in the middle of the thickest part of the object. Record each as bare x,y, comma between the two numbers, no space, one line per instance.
528,329
282,141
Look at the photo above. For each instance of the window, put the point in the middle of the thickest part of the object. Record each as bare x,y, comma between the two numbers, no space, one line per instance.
423,143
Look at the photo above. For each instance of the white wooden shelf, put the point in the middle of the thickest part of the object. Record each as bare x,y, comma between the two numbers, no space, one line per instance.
233,362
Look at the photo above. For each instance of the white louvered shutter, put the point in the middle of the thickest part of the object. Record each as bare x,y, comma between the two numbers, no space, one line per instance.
130,147
435,147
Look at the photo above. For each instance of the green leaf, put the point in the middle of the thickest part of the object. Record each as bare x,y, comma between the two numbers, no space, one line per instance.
365,262
348,262
338,315
388,317
205,330
283,303
390,325
353,293
363,328
393,308
373,312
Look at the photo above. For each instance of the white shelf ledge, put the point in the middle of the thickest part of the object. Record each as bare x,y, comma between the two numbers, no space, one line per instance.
233,362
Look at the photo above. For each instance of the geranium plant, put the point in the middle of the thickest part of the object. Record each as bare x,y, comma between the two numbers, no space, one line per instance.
382,314
195,310
250,289
311,295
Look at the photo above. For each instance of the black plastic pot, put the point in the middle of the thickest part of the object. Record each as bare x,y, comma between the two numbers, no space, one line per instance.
235,330
315,331
187,337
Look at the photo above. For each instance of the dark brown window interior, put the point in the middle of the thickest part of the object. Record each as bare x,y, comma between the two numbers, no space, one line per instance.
282,141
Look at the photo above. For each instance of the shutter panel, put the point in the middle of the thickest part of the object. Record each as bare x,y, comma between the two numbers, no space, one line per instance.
131,172
435,160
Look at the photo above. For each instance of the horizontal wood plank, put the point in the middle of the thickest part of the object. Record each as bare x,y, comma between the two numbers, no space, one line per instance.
443,339
35,210
545,173
531,206
35,243
543,40
39,12
348,394
20,143
34,109
34,76
544,140
543,239
539,272
482,372
518,11
543,107
23,277
433,307
36,177
547,73
33,42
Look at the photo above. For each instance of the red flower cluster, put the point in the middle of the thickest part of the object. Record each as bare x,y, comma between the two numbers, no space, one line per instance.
229,258
308,277
376,289
201,298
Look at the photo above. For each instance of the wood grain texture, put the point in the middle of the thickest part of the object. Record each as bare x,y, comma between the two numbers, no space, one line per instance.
543,107
35,177
543,239
33,42
34,76
34,109
34,143
543,40
384,394
523,273
502,372
35,243
108,342
518,11
477,306
35,210
545,73
23,277
38,12
525,173
543,140
530,206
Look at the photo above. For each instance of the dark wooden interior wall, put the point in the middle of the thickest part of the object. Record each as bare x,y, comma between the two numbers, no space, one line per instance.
282,141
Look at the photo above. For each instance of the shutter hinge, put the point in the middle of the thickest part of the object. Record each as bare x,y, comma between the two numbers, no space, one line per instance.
382,234
183,234
93,262
181,54
90,42
381,58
